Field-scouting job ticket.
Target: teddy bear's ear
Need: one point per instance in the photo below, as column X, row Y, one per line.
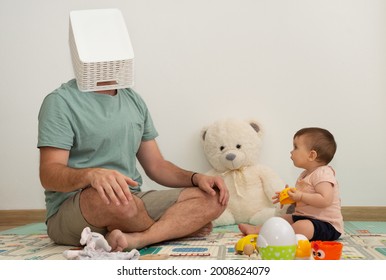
column 203, row 133
column 256, row 126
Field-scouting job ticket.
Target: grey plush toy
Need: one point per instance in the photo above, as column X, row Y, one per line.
column 97, row 248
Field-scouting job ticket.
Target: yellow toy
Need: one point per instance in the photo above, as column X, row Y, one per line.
column 303, row 250
column 246, row 245
column 284, row 197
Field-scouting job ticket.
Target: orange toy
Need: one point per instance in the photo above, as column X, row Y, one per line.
column 326, row 250
column 284, row 197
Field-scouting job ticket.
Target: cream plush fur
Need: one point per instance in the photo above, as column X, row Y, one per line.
column 232, row 147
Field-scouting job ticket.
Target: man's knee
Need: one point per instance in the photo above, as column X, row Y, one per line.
column 218, row 207
column 209, row 203
column 133, row 209
column 93, row 208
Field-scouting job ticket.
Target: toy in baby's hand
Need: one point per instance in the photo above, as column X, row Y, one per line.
column 97, row 248
column 284, row 197
column 232, row 147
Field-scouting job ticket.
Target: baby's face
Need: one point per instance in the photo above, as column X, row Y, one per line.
column 300, row 154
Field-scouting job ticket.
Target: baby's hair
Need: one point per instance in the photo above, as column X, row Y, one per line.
column 321, row 141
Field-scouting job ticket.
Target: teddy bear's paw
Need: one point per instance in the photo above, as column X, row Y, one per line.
column 226, row 218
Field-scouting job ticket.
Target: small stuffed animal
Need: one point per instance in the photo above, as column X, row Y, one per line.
column 94, row 240
column 232, row 147
column 97, row 248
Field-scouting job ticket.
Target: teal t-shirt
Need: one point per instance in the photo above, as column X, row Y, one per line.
column 99, row 131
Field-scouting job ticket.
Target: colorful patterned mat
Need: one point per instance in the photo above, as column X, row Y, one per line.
column 362, row 240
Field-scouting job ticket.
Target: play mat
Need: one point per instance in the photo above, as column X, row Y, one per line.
column 362, row 241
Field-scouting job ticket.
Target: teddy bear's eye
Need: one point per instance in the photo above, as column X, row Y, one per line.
column 222, row 148
column 238, row 146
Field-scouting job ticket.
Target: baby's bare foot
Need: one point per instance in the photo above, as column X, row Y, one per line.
column 248, row 229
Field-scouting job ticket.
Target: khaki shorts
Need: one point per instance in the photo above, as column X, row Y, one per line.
column 66, row 226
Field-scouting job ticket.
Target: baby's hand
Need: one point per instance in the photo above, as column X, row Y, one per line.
column 295, row 194
column 275, row 198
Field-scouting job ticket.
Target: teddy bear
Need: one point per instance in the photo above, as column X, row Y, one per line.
column 232, row 147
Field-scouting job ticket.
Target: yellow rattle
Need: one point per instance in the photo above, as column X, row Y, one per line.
column 284, row 197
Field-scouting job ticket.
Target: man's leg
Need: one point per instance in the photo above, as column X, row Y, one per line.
column 193, row 211
column 128, row 218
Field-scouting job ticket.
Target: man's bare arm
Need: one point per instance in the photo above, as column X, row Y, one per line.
column 55, row 175
column 168, row 174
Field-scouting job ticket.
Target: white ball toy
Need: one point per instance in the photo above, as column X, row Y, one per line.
column 276, row 232
column 277, row 240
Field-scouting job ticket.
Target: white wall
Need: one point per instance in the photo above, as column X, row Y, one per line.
column 289, row 64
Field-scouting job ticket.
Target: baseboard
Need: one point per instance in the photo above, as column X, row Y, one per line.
column 350, row 213
column 364, row 213
column 21, row 217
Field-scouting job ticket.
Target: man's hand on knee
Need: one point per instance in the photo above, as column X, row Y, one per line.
column 112, row 186
column 213, row 184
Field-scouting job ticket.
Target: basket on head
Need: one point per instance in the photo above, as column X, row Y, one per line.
column 101, row 50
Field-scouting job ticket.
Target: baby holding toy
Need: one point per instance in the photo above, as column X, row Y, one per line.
column 317, row 214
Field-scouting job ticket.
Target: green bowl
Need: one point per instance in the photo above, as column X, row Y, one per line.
column 278, row 252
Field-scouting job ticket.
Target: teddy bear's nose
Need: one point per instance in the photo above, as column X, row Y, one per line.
column 230, row 157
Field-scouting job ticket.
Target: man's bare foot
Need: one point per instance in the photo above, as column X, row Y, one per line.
column 204, row 231
column 248, row 229
column 117, row 240
column 120, row 241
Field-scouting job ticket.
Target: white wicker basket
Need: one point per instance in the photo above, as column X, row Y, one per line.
column 101, row 50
